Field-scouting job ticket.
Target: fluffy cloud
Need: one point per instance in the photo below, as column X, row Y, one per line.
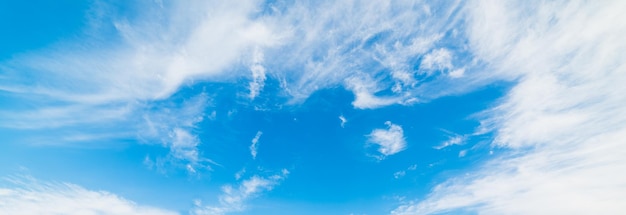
column 562, row 124
column 26, row 195
column 390, row 141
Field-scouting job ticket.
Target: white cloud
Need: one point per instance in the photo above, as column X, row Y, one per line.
column 108, row 89
column 364, row 88
column 184, row 145
column 26, row 195
column 306, row 46
column 343, row 120
column 462, row 153
column 562, row 124
column 454, row 140
column 153, row 57
column 345, row 43
column 399, row 174
column 173, row 126
column 253, row 146
column 438, row 59
column 390, row 141
column 258, row 74
column 233, row 199
column 240, row 173
column 126, row 62
column 457, row 73
column 402, row 173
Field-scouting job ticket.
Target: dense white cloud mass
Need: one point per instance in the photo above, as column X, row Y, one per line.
column 563, row 122
column 29, row 196
column 234, row 199
column 390, row 141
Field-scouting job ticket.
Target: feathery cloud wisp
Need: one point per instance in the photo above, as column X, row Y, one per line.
column 234, row 199
column 253, row 146
column 562, row 124
column 27, row 195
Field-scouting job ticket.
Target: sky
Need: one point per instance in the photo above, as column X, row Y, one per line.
column 312, row 107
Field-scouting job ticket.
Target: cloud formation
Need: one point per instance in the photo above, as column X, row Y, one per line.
column 561, row 125
column 233, row 199
column 27, row 195
column 390, row 141
column 253, row 146
column 126, row 64
column 343, row 120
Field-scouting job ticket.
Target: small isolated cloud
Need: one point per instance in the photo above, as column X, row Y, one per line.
column 343, row 120
column 399, row 174
column 253, row 146
column 233, row 199
column 26, row 195
column 390, row 141
column 454, row 140
column 562, row 125
column 462, row 153
column 240, row 173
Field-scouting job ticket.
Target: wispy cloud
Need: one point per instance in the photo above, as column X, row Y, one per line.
column 26, row 195
column 343, row 120
column 173, row 126
column 453, row 140
column 562, row 123
column 253, row 146
column 402, row 173
column 233, row 199
column 103, row 89
column 390, row 141
column 357, row 45
column 258, row 74
column 147, row 58
column 240, row 173
column 399, row 174
column 438, row 59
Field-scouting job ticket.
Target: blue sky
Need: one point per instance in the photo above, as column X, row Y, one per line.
column 312, row 107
